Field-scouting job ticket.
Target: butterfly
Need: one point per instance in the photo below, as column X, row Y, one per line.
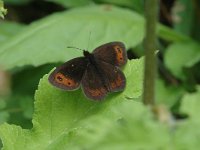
column 97, row 73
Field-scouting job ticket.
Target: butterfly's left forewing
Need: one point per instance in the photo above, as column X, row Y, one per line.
column 68, row 76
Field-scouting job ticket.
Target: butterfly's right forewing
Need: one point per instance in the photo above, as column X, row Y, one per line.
column 113, row 53
column 68, row 76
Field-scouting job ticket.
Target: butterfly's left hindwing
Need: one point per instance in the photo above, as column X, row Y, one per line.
column 68, row 76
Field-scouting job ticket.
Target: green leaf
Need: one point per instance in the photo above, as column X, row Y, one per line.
column 135, row 71
column 57, row 114
column 26, row 105
column 186, row 137
column 2, row 103
column 167, row 94
column 170, row 35
column 190, row 105
column 136, row 130
column 46, row 40
column 20, row 103
column 9, row 29
column 179, row 55
column 4, row 115
column 25, row 81
column 18, row 113
column 72, row 3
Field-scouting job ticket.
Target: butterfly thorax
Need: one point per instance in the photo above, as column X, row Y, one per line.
column 90, row 57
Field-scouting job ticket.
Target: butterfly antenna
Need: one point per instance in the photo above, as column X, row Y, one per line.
column 89, row 40
column 75, row 48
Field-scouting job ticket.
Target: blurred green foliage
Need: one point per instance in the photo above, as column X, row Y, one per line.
column 67, row 120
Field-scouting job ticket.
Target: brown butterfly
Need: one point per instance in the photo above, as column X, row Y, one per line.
column 98, row 72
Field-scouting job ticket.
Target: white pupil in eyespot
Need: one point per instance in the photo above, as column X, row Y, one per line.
column 59, row 78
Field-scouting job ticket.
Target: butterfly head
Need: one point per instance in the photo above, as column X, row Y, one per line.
column 86, row 53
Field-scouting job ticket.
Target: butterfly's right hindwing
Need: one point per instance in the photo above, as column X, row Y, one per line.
column 92, row 84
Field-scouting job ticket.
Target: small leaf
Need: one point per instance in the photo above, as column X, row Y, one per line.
column 167, row 94
column 189, row 55
column 190, row 105
column 188, row 132
column 3, row 11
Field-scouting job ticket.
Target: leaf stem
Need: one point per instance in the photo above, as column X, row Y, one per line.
column 151, row 12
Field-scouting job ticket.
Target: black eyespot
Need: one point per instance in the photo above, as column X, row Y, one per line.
column 119, row 50
column 59, row 78
column 68, row 83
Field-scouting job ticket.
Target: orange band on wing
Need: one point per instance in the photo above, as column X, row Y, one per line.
column 117, row 83
column 96, row 92
column 60, row 78
column 119, row 53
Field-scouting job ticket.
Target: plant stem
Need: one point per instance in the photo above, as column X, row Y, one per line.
column 151, row 11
